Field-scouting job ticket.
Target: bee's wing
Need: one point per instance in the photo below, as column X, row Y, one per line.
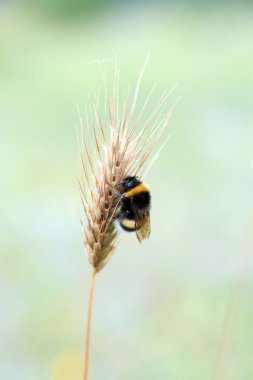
column 142, row 227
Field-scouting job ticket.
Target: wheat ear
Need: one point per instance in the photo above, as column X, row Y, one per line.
column 124, row 145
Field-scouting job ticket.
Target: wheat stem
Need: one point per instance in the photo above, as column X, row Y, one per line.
column 88, row 324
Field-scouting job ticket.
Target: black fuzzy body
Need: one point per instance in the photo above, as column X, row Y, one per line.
column 132, row 207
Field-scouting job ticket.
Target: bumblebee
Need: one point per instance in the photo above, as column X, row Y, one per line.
column 134, row 210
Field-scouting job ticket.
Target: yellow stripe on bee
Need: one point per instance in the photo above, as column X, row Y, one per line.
column 128, row 223
column 141, row 188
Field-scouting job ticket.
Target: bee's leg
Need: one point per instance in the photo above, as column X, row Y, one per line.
column 121, row 215
column 116, row 192
column 126, row 221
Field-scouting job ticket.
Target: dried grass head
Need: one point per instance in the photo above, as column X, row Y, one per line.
column 115, row 142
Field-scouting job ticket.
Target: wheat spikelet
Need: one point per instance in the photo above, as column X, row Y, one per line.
column 122, row 148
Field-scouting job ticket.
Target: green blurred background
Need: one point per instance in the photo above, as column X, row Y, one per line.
column 159, row 308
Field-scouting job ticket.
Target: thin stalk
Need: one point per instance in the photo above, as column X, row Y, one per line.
column 88, row 324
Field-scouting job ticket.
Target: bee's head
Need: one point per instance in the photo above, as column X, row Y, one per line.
column 130, row 182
